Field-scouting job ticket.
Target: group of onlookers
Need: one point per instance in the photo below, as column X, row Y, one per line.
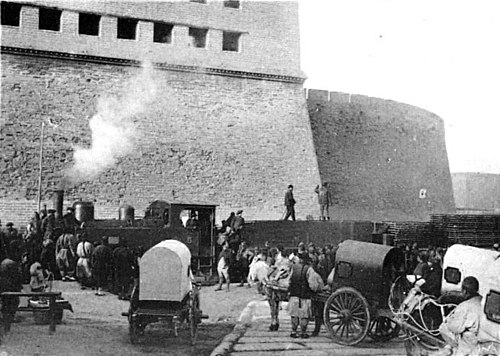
column 60, row 249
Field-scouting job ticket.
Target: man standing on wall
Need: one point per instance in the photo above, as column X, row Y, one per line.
column 289, row 203
column 324, row 200
column 237, row 226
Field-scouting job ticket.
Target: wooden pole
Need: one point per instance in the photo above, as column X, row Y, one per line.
column 40, row 169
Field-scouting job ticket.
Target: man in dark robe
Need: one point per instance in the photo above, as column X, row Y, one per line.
column 289, row 203
column 101, row 265
column 65, row 257
column 124, row 265
column 71, row 224
column 10, row 281
column 49, row 225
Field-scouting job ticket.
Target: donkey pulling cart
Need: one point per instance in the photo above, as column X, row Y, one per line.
column 166, row 291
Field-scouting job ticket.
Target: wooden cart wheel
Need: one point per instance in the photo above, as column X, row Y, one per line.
column 347, row 316
column 383, row 328
column 133, row 328
column 194, row 307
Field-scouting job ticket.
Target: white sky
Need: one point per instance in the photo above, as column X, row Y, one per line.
column 440, row 55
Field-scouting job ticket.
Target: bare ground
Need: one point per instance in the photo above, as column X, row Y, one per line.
column 98, row 328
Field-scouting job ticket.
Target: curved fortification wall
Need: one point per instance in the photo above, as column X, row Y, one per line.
column 384, row 160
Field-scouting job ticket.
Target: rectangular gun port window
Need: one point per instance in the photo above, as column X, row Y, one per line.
column 232, row 3
column 231, row 41
column 11, row 14
column 162, row 32
column 198, row 37
column 49, row 19
column 88, row 24
column 127, row 29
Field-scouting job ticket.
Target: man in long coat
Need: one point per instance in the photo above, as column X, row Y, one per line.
column 289, row 203
column 84, row 251
column 49, row 225
column 124, row 265
column 101, row 265
column 324, row 200
column 304, row 281
column 65, row 256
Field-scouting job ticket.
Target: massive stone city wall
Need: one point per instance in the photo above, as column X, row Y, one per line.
column 212, row 126
column 384, row 160
column 204, row 139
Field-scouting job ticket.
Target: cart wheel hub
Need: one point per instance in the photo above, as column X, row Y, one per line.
column 346, row 314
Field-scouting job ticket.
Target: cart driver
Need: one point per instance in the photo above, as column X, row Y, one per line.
column 304, row 281
column 460, row 328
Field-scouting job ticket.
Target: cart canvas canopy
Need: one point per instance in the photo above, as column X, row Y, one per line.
column 368, row 267
column 165, row 272
column 462, row 261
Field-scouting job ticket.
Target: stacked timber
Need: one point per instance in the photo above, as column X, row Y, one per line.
column 468, row 229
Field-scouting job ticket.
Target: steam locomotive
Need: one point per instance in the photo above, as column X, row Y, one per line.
column 162, row 221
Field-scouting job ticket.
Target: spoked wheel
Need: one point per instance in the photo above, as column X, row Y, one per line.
column 383, row 328
column 347, row 316
column 194, row 311
column 135, row 330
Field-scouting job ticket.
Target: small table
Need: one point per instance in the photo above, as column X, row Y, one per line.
column 52, row 305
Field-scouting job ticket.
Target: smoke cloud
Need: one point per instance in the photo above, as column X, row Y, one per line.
column 113, row 128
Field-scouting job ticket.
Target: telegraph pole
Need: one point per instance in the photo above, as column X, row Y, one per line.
column 40, row 168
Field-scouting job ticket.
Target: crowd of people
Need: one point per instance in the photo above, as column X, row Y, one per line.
column 53, row 248
column 245, row 265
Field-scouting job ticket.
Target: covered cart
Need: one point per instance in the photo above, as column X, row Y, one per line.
column 166, row 291
column 362, row 279
column 421, row 315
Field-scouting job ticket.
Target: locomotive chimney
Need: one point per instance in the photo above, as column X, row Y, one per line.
column 58, row 202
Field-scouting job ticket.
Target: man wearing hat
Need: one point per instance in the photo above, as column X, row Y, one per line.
column 3, row 247
column 304, row 282
column 289, row 203
column 70, row 222
column 10, row 233
column 48, row 225
column 324, row 200
column 237, row 226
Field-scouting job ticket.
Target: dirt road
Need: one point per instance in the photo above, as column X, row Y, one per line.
column 97, row 327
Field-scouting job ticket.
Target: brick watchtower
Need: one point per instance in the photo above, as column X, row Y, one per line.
column 226, row 123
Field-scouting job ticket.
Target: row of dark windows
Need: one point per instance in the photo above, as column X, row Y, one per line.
column 88, row 24
column 228, row 3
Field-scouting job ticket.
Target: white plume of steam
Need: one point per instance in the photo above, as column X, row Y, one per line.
column 113, row 129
